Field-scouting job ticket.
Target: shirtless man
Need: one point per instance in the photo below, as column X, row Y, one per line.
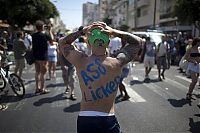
column 99, row 75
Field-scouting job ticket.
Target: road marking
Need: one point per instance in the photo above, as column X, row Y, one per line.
column 177, row 84
column 163, row 92
column 184, row 78
column 135, row 97
column 135, row 78
column 62, row 102
column 160, row 91
column 19, row 105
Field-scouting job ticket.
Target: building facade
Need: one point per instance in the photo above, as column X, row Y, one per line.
column 120, row 16
column 140, row 15
column 90, row 13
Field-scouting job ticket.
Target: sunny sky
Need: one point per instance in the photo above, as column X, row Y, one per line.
column 71, row 11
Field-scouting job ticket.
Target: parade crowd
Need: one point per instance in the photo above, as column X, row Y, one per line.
column 181, row 50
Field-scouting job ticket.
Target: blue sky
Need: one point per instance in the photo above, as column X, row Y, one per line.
column 71, row 11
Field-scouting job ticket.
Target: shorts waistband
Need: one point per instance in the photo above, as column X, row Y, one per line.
column 95, row 113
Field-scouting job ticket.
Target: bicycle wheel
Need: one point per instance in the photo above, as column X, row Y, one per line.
column 2, row 83
column 17, row 85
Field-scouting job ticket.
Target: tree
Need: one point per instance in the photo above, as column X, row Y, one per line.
column 20, row 11
column 188, row 11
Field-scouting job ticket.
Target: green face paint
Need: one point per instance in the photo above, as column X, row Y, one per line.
column 98, row 38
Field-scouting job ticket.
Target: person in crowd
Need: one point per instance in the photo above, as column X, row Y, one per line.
column 19, row 50
column 181, row 47
column 114, row 47
column 3, row 39
column 40, row 52
column 122, row 87
column 170, row 53
column 52, row 59
column 149, row 53
column 99, row 75
column 193, row 57
column 2, row 106
column 161, row 58
column 189, row 45
column 68, row 75
column 28, row 40
column 82, row 46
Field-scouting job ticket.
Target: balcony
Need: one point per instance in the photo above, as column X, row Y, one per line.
column 141, row 3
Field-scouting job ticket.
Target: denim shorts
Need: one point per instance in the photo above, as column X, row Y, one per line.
column 97, row 124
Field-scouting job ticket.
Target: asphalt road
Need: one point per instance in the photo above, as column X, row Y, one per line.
column 156, row 106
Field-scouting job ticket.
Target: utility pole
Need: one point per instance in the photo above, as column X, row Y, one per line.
column 154, row 14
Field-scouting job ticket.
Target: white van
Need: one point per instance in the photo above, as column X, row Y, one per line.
column 155, row 37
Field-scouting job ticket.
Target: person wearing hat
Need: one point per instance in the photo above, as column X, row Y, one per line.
column 99, row 74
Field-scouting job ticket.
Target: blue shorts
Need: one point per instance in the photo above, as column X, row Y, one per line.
column 52, row 58
column 97, row 124
column 125, row 72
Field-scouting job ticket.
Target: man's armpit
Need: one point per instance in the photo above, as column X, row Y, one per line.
column 67, row 50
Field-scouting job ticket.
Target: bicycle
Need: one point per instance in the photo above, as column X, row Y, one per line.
column 13, row 80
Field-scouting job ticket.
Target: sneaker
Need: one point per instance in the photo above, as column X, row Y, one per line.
column 146, row 76
column 67, row 90
column 188, row 96
column 73, row 97
column 3, row 107
column 162, row 75
column 159, row 79
column 126, row 97
column 44, row 91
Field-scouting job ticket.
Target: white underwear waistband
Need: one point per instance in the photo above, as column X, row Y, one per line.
column 94, row 113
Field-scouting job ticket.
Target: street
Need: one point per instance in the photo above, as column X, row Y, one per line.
column 157, row 106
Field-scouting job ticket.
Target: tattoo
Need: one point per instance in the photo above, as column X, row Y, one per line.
column 131, row 47
column 72, row 37
column 67, row 50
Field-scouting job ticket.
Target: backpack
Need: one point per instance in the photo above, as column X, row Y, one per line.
column 29, row 57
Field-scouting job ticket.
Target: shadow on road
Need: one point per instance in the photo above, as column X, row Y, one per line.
column 194, row 126
column 197, row 95
column 49, row 100
column 198, row 115
column 29, row 82
column 9, row 99
column 55, row 85
column 72, row 108
column 179, row 103
column 133, row 82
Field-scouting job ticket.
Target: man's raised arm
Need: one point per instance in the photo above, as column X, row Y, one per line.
column 131, row 46
column 65, row 43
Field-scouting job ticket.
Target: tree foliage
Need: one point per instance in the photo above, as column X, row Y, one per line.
column 188, row 11
column 20, row 11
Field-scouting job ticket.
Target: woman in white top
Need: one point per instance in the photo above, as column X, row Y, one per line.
column 52, row 58
column 193, row 57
